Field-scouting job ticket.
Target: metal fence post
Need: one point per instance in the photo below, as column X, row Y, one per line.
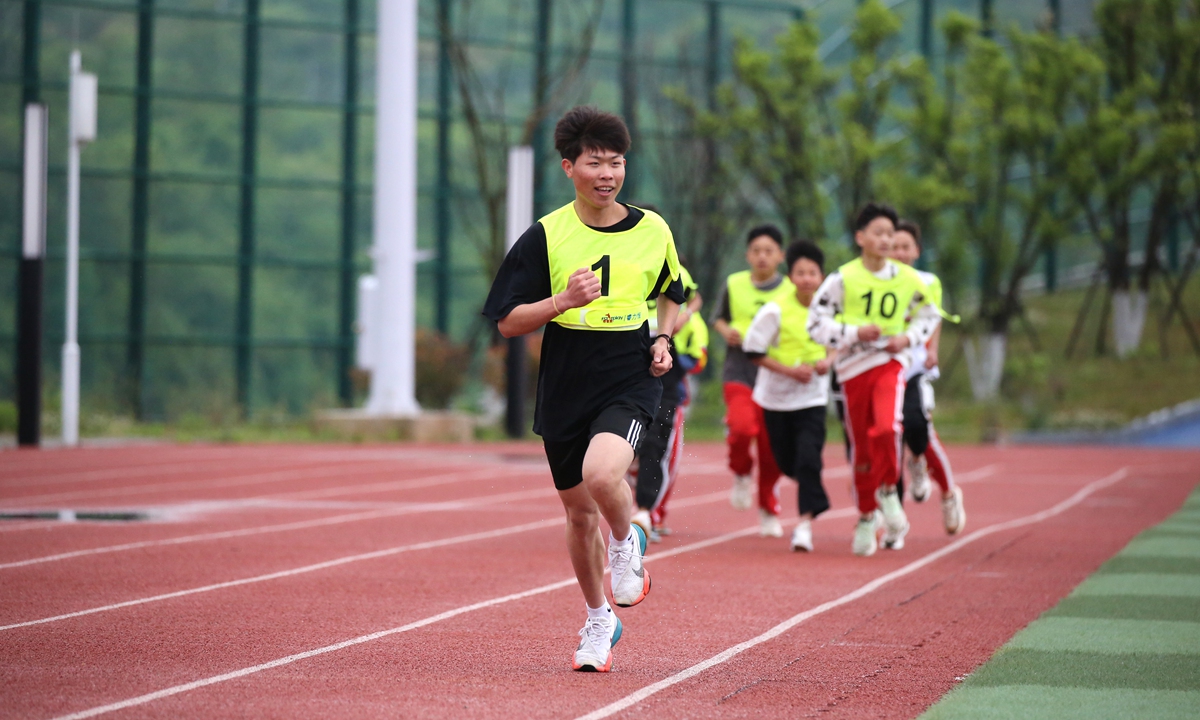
column 712, row 63
column 541, row 87
column 30, row 255
column 986, row 18
column 347, row 284
column 629, row 88
column 135, row 343
column 442, row 198
column 245, row 298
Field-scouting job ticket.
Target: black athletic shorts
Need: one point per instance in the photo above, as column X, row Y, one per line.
column 621, row 418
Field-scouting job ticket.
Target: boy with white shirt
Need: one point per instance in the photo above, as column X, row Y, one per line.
column 927, row 458
column 870, row 311
column 792, row 386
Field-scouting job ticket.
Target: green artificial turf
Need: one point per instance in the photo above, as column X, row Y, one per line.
column 1124, row 644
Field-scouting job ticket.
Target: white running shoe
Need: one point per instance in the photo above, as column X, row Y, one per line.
column 865, row 540
column 954, row 516
column 630, row 580
column 742, row 495
column 918, row 477
column 895, row 522
column 769, row 525
column 641, row 518
column 802, row 537
column 596, row 641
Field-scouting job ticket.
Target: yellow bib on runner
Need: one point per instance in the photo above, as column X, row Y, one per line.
column 628, row 263
column 871, row 300
column 745, row 298
column 795, row 345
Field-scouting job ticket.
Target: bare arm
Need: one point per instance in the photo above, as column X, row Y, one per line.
column 582, row 288
column 660, row 352
column 931, row 358
column 800, row 373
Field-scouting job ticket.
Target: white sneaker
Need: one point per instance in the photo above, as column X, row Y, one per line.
column 641, row 518
column 596, row 641
column 865, row 540
column 895, row 522
column 742, row 495
column 954, row 516
column 918, row 477
column 769, row 525
column 802, row 537
column 630, row 580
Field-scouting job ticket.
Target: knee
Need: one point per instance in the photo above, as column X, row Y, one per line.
column 583, row 522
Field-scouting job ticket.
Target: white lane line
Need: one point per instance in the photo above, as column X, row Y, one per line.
column 433, row 480
column 637, row 697
column 177, row 689
column 319, row 472
column 328, row 563
column 186, row 687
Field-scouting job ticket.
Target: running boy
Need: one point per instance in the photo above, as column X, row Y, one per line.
column 926, row 457
column 585, row 272
column 744, row 293
column 862, row 311
column 793, row 384
column 658, row 460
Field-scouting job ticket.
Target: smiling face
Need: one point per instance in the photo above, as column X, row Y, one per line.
column 597, row 175
column 904, row 247
column 876, row 238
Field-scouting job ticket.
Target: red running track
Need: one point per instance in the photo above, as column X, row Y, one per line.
column 407, row 581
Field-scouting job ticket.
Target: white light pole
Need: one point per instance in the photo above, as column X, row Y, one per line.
column 81, row 129
column 395, row 249
column 519, row 217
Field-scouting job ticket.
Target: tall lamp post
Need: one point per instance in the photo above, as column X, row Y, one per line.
column 81, row 129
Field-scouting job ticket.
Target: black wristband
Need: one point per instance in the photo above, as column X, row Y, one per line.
column 670, row 340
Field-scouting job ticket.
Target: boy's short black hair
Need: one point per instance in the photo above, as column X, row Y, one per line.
column 587, row 127
column 911, row 228
column 805, row 249
column 874, row 210
column 769, row 230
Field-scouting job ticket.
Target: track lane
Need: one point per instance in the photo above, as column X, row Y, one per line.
column 453, row 665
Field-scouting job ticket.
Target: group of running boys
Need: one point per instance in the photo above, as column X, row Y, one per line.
column 623, row 331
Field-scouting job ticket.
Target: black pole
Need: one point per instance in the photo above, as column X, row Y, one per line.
column 246, row 247
column 1050, row 255
column 986, row 18
column 712, row 63
column 927, row 30
column 514, row 415
column 135, row 344
column 33, row 244
column 442, row 200
column 541, row 88
column 346, row 281
column 629, row 87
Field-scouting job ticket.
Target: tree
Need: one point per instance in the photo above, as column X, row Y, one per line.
column 768, row 119
column 1130, row 149
column 992, row 153
column 852, row 124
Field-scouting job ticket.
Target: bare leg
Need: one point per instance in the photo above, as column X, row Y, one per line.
column 603, row 492
column 604, row 467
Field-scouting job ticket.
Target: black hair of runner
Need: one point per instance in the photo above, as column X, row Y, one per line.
column 587, row 127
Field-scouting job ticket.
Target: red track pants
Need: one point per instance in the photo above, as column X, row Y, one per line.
column 744, row 421
column 874, row 413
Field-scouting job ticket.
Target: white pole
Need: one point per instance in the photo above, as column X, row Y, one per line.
column 81, row 128
column 70, row 351
column 520, row 193
column 395, row 250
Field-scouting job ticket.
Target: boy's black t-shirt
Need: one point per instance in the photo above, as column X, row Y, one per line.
column 581, row 371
